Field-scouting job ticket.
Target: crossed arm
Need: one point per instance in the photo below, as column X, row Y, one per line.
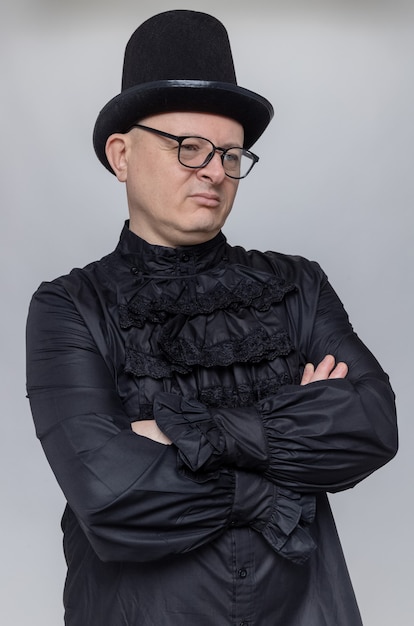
column 325, row 370
column 126, row 490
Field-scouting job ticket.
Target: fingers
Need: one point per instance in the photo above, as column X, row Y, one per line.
column 324, row 368
column 149, row 429
column 327, row 369
column 340, row 371
column 307, row 374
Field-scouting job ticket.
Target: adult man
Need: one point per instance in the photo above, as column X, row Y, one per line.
column 195, row 400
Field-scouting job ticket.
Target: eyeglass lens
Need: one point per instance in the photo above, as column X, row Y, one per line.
column 195, row 152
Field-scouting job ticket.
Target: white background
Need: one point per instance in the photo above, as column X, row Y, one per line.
column 334, row 183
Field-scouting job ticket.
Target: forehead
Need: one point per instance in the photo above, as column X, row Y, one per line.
column 193, row 123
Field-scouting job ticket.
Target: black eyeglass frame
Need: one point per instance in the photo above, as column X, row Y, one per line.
column 181, row 138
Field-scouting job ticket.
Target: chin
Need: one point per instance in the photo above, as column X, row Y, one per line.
column 208, row 222
column 206, row 231
column 192, row 237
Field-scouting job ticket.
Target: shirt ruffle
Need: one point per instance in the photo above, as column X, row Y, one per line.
column 214, row 319
column 288, row 529
column 224, row 288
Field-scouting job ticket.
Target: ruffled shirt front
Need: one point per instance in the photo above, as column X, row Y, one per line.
column 197, row 323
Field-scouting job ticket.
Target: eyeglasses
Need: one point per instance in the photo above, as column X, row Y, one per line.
column 197, row 152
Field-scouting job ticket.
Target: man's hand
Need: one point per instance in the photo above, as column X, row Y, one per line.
column 149, row 429
column 325, row 370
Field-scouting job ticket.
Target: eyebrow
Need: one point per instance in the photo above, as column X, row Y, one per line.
column 228, row 144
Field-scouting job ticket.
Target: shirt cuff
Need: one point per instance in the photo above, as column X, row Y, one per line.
column 281, row 516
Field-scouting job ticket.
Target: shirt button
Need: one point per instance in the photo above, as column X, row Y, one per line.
column 185, row 257
column 242, row 574
column 134, row 271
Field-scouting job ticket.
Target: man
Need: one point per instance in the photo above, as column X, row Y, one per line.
column 197, row 401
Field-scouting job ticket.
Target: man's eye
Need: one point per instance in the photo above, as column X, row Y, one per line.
column 232, row 157
column 191, row 147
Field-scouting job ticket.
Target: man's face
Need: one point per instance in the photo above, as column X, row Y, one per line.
column 170, row 204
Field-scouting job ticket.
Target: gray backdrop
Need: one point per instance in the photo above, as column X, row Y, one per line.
column 334, row 183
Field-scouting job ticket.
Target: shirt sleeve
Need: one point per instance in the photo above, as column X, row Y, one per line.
column 329, row 435
column 129, row 494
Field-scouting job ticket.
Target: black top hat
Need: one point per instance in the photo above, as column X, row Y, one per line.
column 180, row 61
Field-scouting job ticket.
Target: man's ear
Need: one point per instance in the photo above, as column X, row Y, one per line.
column 116, row 152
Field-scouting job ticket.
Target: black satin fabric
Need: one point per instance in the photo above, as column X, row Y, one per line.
column 151, row 539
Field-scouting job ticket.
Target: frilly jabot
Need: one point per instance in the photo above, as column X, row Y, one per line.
column 216, row 318
column 202, row 307
column 229, row 288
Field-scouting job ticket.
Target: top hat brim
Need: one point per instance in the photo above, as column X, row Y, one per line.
column 251, row 110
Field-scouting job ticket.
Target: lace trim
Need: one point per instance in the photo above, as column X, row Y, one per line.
column 231, row 397
column 254, row 348
column 246, row 293
column 243, row 395
column 140, row 364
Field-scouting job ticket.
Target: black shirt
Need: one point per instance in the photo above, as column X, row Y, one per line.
column 231, row 524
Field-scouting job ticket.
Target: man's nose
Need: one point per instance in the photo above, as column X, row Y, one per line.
column 214, row 168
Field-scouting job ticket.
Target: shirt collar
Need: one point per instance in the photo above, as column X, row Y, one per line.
column 149, row 258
